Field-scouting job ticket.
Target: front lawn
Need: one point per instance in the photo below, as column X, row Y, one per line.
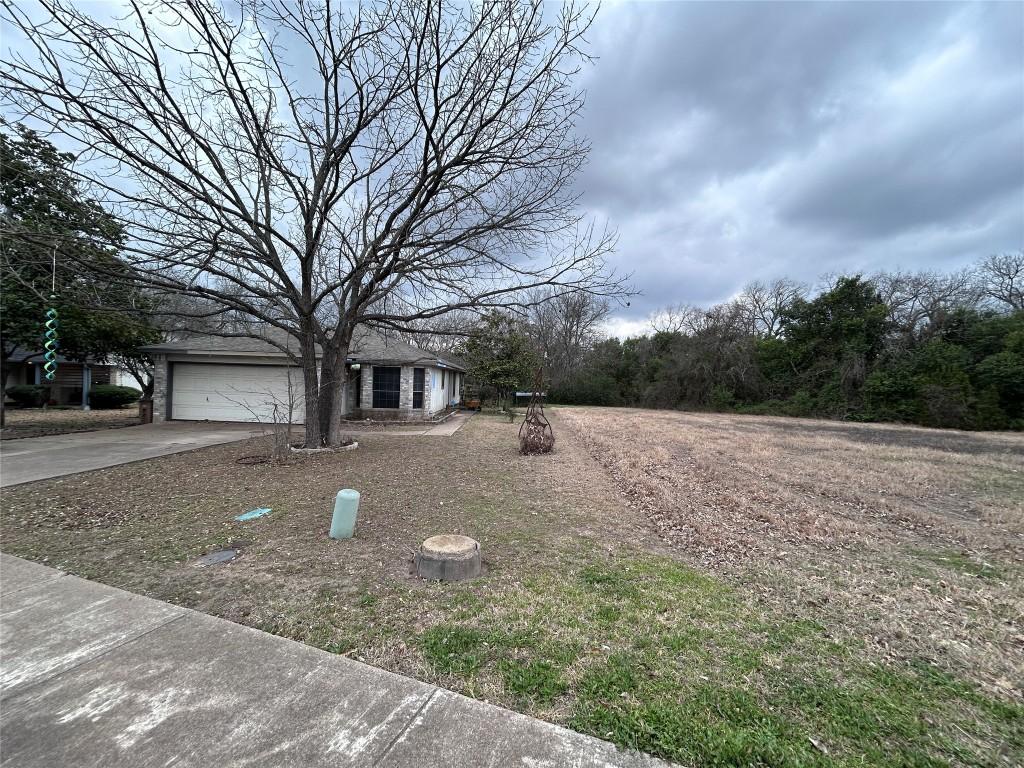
column 38, row 422
column 756, row 640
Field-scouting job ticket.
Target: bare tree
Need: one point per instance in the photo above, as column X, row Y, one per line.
column 564, row 325
column 1001, row 279
column 918, row 300
column 675, row 318
column 765, row 303
column 311, row 166
column 443, row 335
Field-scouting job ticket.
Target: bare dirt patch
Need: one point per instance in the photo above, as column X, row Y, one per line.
column 38, row 422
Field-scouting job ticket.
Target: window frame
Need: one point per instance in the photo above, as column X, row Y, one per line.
column 383, row 397
column 419, row 378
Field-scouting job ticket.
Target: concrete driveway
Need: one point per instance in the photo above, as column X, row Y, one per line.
column 40, row 458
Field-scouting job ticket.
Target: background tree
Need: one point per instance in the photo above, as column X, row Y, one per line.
column 310, row 167
column 563, row 326
column 927, row 347
column 830, row 343
column 765, row 304
column 500, row 357
column 1001, row 279
column 46, row 216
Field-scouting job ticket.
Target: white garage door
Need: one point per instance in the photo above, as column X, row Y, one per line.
column 234, row 392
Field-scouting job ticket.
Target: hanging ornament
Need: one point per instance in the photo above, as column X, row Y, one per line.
column 51, row 343
column 50, row 356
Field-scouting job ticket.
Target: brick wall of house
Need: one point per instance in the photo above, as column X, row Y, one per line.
column 159, row 388
column 427, row 391
column 366, row 396
column 405, row 411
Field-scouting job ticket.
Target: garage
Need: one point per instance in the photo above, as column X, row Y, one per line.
column 230, row 392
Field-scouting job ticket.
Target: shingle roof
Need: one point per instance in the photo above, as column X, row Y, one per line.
column 37, row 357
column 368, row 346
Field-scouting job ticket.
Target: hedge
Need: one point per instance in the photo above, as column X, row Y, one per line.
column 29, row 395
column 109, row 396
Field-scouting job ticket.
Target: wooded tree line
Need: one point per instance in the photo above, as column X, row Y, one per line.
column 941, row 350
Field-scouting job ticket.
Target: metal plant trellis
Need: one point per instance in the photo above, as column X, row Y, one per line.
column 535, row 433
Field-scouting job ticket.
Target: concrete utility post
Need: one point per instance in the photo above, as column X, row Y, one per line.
column 346, row 507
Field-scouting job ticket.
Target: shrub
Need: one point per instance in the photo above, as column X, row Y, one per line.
column 588, row 388
column 722, row 398
column 29, row 395
column 802, row 404
column 109, row 396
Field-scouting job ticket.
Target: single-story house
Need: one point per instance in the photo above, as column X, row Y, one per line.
column 221, row 378
column 72, row 381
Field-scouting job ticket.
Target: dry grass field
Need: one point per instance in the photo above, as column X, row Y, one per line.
column 715, row 590
column 910, row 539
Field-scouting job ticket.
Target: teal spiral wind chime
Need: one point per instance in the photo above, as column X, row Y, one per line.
column 51, row 343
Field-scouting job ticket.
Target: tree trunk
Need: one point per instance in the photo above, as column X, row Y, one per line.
column 334, row 435
column 331, row 394
column 311, row 392
column 326, row 399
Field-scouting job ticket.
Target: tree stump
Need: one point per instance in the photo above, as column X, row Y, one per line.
column 448, row 558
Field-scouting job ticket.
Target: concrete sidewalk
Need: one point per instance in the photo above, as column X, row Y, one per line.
column 94, row 676
column 40, row 458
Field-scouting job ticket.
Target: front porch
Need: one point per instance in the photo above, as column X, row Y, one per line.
column 71, row 385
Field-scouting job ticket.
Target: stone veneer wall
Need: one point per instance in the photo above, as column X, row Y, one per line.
column 160, row 383
column 404, row 411
column 428, row 378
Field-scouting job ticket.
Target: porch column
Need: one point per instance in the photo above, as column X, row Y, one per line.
column 86, row 383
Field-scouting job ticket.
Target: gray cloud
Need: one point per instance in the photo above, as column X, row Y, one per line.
column 733, row 141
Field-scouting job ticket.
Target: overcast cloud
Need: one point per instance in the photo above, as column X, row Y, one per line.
column 734, row 141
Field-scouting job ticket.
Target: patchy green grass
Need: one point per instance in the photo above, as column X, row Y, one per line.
column 959, row 561
column 655, row 656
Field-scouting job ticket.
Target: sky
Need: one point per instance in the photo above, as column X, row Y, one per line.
column 740, row 141
column 734, row 141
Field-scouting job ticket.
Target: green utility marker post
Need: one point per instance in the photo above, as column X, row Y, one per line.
column 346, row 507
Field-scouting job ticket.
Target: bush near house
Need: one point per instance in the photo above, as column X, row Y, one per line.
column 110, row 396
column 29, row 395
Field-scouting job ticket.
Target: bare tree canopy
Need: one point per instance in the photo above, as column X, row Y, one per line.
column 764, row 304
column 313, row 166
column 1001, row 279
column 564, row 325
column 918, row 300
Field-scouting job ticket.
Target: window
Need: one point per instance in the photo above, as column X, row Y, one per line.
column 387, row 386
column 357, row 381
column 417, row 387
column 442, row 378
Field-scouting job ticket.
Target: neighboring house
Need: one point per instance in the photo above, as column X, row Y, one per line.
column 73, row 380
column 220, row 378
